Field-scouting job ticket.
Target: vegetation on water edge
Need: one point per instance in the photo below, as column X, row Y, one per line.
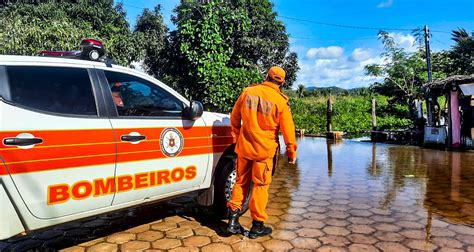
column 352, row 114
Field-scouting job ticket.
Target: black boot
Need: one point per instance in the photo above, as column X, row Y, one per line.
column 258, row 230
column 234, row 225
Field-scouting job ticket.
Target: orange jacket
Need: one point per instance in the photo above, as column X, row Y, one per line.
column 259, row 113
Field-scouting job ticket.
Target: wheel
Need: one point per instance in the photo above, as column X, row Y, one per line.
column 224, row 182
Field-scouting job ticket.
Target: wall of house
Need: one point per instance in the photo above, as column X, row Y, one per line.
column 472, row 117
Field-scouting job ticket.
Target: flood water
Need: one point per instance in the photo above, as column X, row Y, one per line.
column 340, row 196
column 433, row 184
column 403, row 193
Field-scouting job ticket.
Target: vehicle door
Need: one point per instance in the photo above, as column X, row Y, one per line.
column 56, row 140
column 159, row 153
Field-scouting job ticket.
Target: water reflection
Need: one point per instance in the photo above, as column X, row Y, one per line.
column 329, row 144
column 450, row 187
column 429, row 183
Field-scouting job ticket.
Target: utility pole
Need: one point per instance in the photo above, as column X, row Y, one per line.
column 374, row 115
column 429, row 103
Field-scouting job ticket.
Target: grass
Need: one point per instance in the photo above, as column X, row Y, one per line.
column 351, row 114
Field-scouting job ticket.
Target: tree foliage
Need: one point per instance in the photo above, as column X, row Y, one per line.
column 403, row 72
column 30, row 28
column 462, row 53
column 221, row 46
column 300, row 91
column 150, row 31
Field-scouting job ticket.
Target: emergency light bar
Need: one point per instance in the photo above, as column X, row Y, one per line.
column 90, row 49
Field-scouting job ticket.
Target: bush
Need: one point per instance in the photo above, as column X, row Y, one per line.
column 350, row 114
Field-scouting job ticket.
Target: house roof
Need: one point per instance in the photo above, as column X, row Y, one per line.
column 448, row 82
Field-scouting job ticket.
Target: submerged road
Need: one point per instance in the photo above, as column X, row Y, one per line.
column 341, row 196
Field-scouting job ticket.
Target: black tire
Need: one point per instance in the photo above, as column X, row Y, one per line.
column 224, row 181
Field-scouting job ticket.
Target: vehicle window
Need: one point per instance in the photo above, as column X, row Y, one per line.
column 134, row 96
column 52, row 89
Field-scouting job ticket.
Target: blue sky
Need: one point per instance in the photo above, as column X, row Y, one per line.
column 335, row 56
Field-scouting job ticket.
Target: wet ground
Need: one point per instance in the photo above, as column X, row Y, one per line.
column 339, row 197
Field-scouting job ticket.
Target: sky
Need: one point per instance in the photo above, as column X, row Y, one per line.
column 335, row 56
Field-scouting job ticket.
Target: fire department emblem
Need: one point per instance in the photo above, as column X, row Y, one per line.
column 171, row 142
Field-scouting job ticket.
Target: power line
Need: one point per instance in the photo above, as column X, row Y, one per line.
column 133, row 6
column 344, row 26
column 328, row 24
column 353, row 26
column 343, row 39
column 437, row 40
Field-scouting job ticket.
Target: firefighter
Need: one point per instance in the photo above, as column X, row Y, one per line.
column 259, row 113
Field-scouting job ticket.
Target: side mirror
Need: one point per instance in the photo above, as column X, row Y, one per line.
column 194, row 111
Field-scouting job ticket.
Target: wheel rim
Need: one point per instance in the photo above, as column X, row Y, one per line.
column 229, row 184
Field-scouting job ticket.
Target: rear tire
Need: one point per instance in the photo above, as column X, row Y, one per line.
column 224, row 182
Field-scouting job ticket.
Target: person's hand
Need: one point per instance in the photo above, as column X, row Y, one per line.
column 292, row 161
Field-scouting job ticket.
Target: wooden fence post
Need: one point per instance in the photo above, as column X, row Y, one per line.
column 329, row 116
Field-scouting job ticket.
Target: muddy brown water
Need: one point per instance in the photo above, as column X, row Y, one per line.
column 344, row 195
column 432, row 184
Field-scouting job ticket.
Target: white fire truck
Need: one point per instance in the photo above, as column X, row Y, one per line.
column 81, row 137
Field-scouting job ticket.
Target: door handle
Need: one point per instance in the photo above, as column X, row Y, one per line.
column 130, row 138
column 15, row 141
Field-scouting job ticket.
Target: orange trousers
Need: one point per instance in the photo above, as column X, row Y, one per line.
column 260, row 172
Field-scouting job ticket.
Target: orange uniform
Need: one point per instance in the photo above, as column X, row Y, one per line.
column 258, row 115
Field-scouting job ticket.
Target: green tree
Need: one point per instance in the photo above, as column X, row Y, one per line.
column 462, row 53
column 30, row 28
column 151, row 31
column 403, row 72
column 221, row 46
column 441, row 64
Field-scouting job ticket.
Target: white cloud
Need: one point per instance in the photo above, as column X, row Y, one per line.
column 361, row 54
column 385, row 4
column 330, row 52
column 335, row 66
column 342, row 70
column 300, row 50
column 405, row 41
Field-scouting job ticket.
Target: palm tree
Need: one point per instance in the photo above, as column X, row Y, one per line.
column 460, row 35
column 462, row 53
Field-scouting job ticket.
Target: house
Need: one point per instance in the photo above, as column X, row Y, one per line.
column 458, row 126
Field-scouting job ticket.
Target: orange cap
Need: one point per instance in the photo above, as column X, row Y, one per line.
column 277, row 74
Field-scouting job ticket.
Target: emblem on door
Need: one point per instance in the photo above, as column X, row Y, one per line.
column 171, row 142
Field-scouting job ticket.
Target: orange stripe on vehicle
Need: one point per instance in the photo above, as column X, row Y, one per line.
column 42, row 155
column 64, row 149
column 142, row 146
column 27, row 155
column 74, row 163
column 67, row 137
column 60, row 164
column 222, row 140
column 58, row 146
column 63, row 158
